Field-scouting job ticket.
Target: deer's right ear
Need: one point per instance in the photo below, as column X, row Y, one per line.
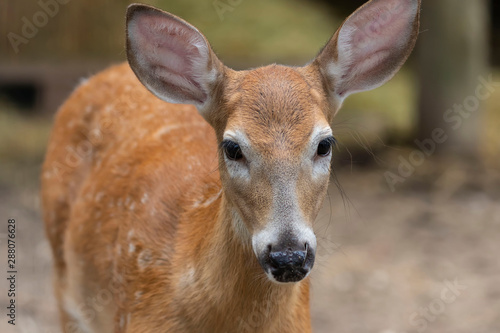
column 370, row 47
column 171, row 57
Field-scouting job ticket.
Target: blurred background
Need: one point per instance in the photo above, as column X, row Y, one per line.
column 410, row 231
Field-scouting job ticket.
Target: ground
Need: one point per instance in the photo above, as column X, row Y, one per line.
column 423, row 258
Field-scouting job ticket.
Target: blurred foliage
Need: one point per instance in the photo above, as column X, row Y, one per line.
column 367, row 120
column 490, row 139
column 242, row 32
column 394, row 104
column 22, row 139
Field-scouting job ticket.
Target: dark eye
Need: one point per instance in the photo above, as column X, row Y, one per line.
column 325, row 147
column 232, row 150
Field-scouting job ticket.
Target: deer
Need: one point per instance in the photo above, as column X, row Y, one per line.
column 179, row 195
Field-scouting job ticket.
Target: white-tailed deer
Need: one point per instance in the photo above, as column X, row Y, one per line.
column 198, row 218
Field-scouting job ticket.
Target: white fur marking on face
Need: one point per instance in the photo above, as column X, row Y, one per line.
column 273, row 231
column 240, row 227
column 238, row 169
column 321, row 165
column 286, row 217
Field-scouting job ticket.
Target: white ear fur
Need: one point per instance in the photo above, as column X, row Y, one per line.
column 170, row 57
column 371, row 46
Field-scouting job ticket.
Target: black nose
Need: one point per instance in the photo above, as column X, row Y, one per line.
column 288, row 259
column 289, row 263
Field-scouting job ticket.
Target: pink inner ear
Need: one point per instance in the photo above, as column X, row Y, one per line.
column 174, row 53
column 375, row 34
column 380, row 28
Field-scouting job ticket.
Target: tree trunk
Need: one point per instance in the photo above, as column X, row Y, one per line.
column 453, row 55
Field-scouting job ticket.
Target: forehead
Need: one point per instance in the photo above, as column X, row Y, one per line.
column 275, row 107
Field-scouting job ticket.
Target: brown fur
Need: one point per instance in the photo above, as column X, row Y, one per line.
column 139, row 206
column 173, row 230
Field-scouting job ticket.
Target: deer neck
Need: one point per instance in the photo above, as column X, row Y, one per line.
column 232, row 291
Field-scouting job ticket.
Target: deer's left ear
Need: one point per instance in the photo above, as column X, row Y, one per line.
column 370, row 47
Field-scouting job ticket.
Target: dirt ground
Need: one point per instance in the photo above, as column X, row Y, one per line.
column 424, row 258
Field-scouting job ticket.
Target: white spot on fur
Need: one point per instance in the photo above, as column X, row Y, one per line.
column 172, row 127
column 145, row 198
column 144, row 259
column 99, row 196
column 152, row 212
column 187, row 279
column 205, row 202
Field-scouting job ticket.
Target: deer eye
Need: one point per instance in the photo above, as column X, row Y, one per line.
column 232, row 150
column 325, row 146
